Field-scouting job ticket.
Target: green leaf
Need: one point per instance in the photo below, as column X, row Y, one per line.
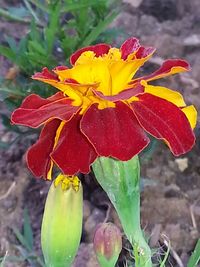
column 10, row 91
column 8, row 53
column 78, row 5
column 10, row 258
column 8, row 15
column 195, row 257
column 20, row 11
column 39, row 5
column 36, row 47
column 163, row 262
column 32, row 11
column 21, row 238
column 3, row 260
column 28, row 233
column 99, row 29
column 52, row 29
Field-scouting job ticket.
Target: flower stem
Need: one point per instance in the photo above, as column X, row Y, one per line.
column 121, row 181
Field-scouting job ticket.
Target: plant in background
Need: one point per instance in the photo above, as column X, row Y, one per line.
column 102, row 115
column 55, row 29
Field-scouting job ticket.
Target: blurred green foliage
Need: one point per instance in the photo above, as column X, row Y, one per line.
column 25, row 247
column 55, row 29
column 194, row 260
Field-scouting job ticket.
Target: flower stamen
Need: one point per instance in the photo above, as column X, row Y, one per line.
column 67, row 182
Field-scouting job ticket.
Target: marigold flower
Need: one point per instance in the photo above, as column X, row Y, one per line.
column 102, row 110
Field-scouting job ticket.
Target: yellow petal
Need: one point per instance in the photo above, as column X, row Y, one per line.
column 85, row 58
column 92, row 73
column 123, row 71
column 165, row 93
column 191, row 114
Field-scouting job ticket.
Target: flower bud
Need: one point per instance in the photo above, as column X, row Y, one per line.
column 107, row 244
column 62, row 221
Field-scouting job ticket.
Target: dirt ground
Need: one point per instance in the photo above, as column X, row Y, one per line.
column 171, row 186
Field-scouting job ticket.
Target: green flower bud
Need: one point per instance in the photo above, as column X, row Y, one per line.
column 62, row 221
column 107, row 244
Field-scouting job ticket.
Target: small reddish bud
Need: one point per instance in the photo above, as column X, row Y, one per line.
column 107, row 244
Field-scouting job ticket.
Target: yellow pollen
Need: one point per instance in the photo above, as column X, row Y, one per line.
column 67, row 182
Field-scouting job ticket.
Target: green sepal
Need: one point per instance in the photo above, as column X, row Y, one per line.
column 107, row 263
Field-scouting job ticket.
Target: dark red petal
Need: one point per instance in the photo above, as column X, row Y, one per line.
column 55, row 97
column 60, row 68
column 144, row 52
column 169, row 67
column 73, row 153
column 36, row 110
column 45, row 74
column 164, row 120
column 129, row 46
column 71, row 81
column 114, row 132
column 99, row 50
column 38, row 158
column 34, row 101
column 125, row 94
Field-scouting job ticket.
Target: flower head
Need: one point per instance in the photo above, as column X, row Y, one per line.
column 102, row 110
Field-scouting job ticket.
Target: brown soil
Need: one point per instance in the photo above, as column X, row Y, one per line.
column 170, row 197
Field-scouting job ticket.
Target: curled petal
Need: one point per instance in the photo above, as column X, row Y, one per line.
column 129, row 46
column 60, row 68
column 144, row 52
column 99, row 50
column 36, row 110
column 55, row 78
column 45, row 74
column 34, row 101
column 169, row 67
column 114, row 132
column 73, row 153
column 164, row 120
column 125, row 94
column 38, row 158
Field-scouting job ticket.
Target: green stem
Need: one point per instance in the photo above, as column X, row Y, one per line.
column 121, row 181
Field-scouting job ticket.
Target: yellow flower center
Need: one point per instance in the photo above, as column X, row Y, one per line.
column 67, row 182
column 108, row 74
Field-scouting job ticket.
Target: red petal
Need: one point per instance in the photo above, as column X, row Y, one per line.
column 125, row 94
column 60, row 68
column 114, row 132
column 144, row 52
column 45, row 74
column 99, row 50
column 36, row 110
column 169, row 67
column 129, row 46
column 164, row 120
column 73, row 153
column 38, row 158
column 35, row 101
